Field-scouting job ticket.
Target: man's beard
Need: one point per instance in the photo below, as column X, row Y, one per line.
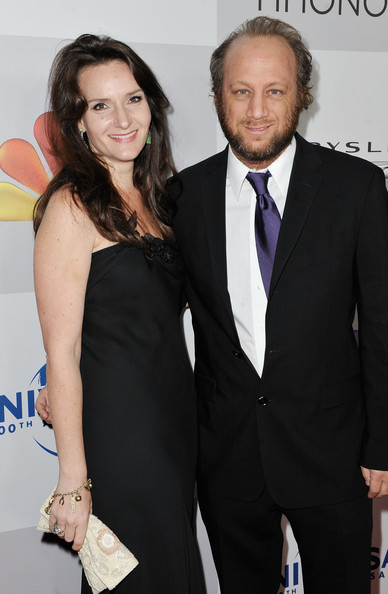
column 278, row 143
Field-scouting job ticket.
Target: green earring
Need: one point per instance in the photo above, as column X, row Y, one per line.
column 148, row 141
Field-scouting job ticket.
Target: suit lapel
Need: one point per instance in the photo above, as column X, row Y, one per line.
column 304, row 182
column 305, row 179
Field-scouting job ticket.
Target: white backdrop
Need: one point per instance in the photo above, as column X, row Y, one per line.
column 349, row 42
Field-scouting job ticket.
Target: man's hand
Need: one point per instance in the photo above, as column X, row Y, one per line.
column 377, row 481
column 42, row 405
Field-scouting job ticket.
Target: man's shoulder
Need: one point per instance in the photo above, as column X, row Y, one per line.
column 209, row 164
column 333, row 158
column 188, row 180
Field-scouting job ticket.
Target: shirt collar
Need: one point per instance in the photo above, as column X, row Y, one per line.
column 280, row 170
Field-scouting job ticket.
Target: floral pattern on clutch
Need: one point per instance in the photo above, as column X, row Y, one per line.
column 108, row 541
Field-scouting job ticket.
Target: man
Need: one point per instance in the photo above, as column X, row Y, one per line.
column 289, row 406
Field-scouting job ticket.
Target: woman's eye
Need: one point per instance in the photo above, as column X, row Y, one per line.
column 135, row 99
column 99, row 106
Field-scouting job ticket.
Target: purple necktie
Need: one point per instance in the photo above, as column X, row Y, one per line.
column 267, row 225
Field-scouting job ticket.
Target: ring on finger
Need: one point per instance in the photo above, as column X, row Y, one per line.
column 56, row 529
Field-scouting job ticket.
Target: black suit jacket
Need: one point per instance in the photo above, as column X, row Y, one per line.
column 327, row 400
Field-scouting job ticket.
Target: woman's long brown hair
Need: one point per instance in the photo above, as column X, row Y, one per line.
column 82, row 171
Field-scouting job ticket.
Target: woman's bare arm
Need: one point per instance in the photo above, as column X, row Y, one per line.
column 62, row 257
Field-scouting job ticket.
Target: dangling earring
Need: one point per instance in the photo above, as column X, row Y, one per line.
column 84, row 137
column 148, row 141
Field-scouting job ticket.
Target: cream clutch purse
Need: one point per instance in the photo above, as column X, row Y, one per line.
column 105, row 560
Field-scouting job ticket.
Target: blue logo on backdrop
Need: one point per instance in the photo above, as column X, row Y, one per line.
column 17, row 413
column 292, row 577
column 378, row 563
column 292, row 581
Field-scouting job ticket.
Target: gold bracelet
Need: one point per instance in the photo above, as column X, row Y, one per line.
column 75, row 496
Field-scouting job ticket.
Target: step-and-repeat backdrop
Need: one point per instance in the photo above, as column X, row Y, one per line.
column 349, row 42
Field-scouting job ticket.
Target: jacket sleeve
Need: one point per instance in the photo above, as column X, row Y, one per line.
column 372, row 305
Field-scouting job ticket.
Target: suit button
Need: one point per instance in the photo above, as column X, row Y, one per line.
column 262, row 400
column 237, row 354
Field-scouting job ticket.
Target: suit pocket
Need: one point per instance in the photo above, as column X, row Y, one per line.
column 341, row 392
column 205, row 386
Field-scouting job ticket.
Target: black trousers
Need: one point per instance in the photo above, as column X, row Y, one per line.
column 246, row 539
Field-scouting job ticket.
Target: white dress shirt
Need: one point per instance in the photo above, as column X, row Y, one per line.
column 245, row 285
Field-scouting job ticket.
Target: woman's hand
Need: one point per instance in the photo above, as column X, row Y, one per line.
column 70, row 520
column 42, row 405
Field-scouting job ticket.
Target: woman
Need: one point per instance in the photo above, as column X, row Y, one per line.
column 109, row 284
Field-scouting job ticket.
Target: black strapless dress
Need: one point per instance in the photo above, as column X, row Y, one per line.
column 139, row 414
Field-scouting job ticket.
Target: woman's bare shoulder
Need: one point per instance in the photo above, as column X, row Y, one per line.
column 65, row 218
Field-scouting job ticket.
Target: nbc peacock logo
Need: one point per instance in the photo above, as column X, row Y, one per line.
column 20, row 161
column 17, row 414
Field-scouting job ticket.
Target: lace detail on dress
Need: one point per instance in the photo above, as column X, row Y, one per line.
column 158, row 249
